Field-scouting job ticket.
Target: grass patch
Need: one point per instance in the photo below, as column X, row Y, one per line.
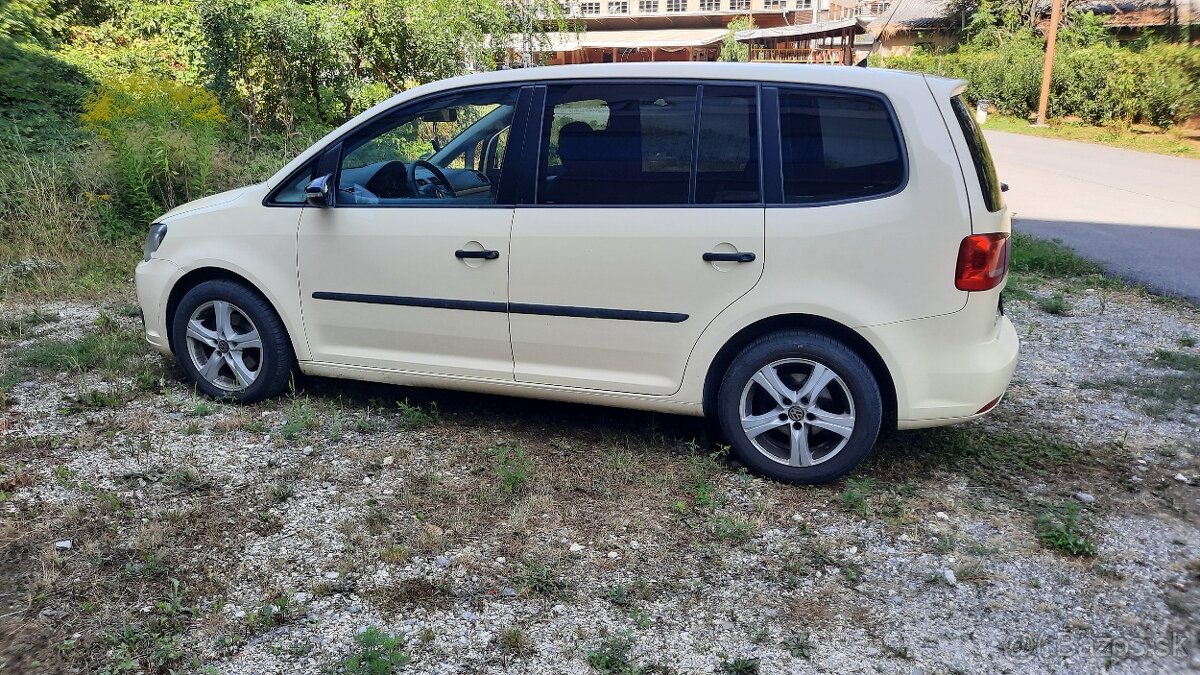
column 1168, row 394
column 1177, row 360
column 515, row 642
column 25, row 325
column 512, row 468
column 856, row 494
column 1143, row 138
column 542, row 579
column 1054, row 304
column 1165, row 394
column 1031, row 255
column 985, row 456
column 414, row 417
column 114, row 350
column 414, row 593
column 1059, row 529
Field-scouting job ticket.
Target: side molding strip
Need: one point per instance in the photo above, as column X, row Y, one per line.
column 515, row 307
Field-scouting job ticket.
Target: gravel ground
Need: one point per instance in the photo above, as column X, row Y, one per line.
column 142, row 527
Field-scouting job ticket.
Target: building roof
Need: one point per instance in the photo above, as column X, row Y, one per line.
column 801, row 30
column 907, row 15
column 624, row 39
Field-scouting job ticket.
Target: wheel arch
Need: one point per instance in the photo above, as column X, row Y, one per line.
column 200, row 275
column 811, row 322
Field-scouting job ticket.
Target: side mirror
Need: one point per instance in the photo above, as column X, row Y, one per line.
column 316, row 193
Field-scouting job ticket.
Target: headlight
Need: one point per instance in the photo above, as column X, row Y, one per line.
column 157, row 233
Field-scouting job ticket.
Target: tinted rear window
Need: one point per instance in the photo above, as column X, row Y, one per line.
column 837, row 147
column 980, row 156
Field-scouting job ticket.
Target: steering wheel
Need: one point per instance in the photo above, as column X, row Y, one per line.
column 431, row 168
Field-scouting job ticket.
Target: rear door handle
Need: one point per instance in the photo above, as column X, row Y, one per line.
column 486, row 254
column 738, row 257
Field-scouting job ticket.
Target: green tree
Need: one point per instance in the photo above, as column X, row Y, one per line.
column 731, row 49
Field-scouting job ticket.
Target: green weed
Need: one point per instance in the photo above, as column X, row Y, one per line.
column 1059, row 529
column 513, row 468
column 856, row 494
column 378, row 653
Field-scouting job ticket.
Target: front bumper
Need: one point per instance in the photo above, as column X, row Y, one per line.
column 153, row 281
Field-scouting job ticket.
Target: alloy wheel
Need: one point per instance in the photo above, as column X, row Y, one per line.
column 224, row 345
column 797, row 412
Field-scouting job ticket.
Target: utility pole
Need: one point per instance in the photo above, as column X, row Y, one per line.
column 1048, row 66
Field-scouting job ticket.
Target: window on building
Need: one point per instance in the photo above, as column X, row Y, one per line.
column 837, row 147
column 775, row 4
column 676, row 5
column 618, row 7
column 739, row 5
column 589, row 8
column 710, row 5
column 647, row 6
column 804, row 4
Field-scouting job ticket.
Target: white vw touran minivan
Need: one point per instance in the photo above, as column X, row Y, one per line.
column 803, row 253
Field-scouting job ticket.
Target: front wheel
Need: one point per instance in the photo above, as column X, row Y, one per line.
column 799, row 407
column 231, row 342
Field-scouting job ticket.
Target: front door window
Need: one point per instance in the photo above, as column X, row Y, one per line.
column 449, row 151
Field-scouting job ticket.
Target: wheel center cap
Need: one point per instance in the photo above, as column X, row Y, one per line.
column 223, row 346
column 796, row 413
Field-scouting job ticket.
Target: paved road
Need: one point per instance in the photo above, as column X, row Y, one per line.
column 1136, row 213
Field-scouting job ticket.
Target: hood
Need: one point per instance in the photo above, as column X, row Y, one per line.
column 210, row 201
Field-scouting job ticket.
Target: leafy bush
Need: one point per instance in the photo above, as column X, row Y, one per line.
column 41, row 96
column 160, row 138
column 1098, row 83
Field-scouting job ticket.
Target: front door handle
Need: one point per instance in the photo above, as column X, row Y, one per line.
column 486, row 254
column 737, row 256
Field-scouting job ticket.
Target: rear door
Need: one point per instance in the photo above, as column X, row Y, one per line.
column 646, row 221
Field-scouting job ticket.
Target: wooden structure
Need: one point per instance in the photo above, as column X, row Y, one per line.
column 829, row 42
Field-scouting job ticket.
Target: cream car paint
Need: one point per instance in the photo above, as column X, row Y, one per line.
column 882, row 268
column 646, row 259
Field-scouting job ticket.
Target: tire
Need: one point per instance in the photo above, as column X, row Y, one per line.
column 246, row 370
column 789, row 435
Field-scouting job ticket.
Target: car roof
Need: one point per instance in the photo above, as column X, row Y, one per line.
column 841, row 76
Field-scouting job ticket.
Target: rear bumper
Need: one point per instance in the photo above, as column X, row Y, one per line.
column 153, row 281
column 944, row 369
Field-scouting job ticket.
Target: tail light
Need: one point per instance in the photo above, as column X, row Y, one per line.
column 982, row 262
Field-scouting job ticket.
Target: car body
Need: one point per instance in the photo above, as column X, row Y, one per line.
column 622, row 235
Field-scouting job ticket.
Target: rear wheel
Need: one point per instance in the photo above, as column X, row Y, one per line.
column 800, row 407
column 231, row 342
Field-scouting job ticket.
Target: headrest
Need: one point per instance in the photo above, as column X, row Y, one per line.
column 574, row 141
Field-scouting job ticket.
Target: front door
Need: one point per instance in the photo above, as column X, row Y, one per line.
column 408, row 269
column 647, row 222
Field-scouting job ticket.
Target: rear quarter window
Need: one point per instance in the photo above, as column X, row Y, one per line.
column 981, row 157
column 837, row 147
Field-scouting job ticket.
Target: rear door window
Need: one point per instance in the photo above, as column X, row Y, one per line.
column 981, row 157
column 727, row 166
column 616, row 143
column 837, row 147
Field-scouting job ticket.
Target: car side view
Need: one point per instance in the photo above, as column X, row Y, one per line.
column 804, row 254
